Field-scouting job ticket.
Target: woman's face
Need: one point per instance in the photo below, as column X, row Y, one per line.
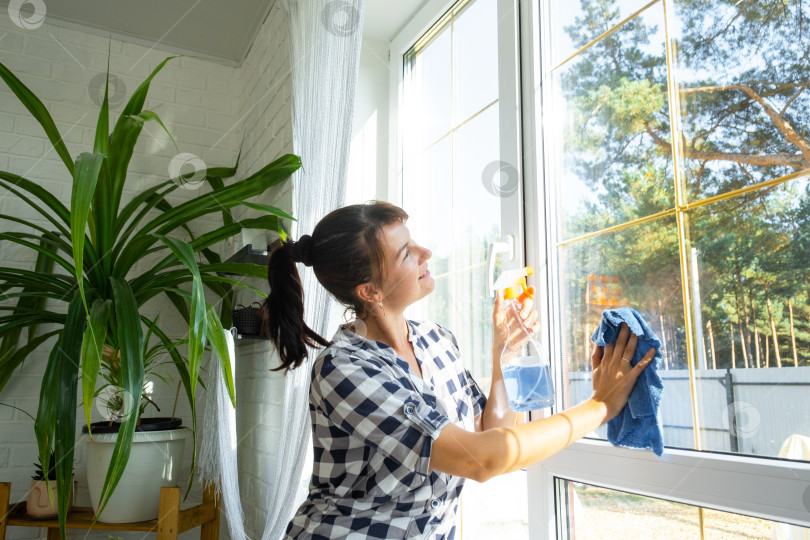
column 406, row 278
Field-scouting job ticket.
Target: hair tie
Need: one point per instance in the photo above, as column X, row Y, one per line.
column 301, row 251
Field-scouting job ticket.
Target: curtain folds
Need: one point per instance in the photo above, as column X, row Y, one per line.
column 325, row 39
column 325, row 42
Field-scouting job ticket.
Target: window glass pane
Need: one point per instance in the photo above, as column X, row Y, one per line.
column 742, row 75
column 429, row 104
column 475, row 59
column 639, row 267
column 611, row 158
column 453, row 181
column 594, row 513
column 752, row 330
column 577, row 23
column 476, row 224
column 425, row 197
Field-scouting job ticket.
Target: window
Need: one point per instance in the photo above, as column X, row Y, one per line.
column 460, row 184
column 676, row 159
column 590, row 512
column 663, row 159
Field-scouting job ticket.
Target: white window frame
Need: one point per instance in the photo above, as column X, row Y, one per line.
column 762, row 487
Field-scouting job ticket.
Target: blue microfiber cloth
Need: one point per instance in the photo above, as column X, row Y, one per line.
column 638, row 425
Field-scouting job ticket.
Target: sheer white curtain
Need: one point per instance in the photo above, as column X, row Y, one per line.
column 325, row 41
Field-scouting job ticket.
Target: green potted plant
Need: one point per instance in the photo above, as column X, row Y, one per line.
column 86, row 260
column 158, row 440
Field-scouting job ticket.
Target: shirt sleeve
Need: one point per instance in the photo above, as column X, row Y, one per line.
column 363, row 398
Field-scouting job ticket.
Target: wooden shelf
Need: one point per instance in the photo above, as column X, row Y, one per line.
column 171, row 521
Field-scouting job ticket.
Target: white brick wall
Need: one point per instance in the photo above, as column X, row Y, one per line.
column 208, row 108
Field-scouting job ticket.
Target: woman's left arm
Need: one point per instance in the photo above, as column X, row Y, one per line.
column 497, row 412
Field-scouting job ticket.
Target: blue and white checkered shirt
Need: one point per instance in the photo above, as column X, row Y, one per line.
column 373, row 424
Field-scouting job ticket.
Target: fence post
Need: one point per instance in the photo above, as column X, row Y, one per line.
column 732, row 412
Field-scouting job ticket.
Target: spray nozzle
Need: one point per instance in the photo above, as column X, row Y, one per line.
column 513, row 283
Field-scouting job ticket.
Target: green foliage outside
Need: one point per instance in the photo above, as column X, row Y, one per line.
column 741, row 73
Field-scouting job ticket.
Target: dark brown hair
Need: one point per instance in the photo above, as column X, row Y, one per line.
column 345, row 250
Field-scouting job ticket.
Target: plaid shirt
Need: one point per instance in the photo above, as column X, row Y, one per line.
column 373, row 424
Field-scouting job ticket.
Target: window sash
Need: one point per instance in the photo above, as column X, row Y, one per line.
column 766, row 488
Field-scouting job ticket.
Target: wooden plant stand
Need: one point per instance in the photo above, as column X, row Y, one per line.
column 171, row 519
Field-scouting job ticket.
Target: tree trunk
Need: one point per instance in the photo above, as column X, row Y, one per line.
column 756, row 331
column 773, row 329
column 745, row 329
column 731, row 335
column 793, row 334
column 711, row 343
column 767, row 352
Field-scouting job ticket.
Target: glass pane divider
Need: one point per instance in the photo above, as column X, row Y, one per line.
column 686, row 207
column 604, row 34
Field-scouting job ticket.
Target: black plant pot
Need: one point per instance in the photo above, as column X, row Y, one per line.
column 147, row 424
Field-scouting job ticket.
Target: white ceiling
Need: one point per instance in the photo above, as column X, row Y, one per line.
column 219, row 29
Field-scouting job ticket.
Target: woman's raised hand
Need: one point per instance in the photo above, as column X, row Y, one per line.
column 505, row 325
column 613, row 375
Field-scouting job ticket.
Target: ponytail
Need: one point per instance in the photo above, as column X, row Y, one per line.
column 283, row 309
column 345, row 250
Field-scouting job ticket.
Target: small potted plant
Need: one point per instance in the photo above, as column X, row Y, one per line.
column 40, row 503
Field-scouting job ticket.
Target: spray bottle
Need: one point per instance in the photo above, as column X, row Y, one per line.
column 524, row 362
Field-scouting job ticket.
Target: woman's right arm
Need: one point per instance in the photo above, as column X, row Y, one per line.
column 483, row 455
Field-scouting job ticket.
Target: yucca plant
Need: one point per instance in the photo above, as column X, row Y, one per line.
column 86, row 259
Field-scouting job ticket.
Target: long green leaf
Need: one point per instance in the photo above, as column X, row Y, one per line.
column 54, row 283
column 130, row 344
column 30, row 300
column 9, row 363
column 220, row 347
column 52, row 203
column 272, row 210
column 89, row 167
column 55, row 425
column 197, row 322
column 203, row 242
column 42, row 252
column 270, row 175
column 94, row 338
column 179, row 362
column 142, row 198
column 101, row 144
column 204, row 204
column 216, row 185
column 125, row 135
column 40, row 114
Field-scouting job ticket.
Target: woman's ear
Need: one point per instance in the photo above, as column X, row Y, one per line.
column 368, row 293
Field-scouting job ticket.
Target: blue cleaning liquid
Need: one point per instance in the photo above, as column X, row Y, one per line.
column 528, row 384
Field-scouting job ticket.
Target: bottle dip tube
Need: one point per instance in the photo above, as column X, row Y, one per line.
column 524, row 362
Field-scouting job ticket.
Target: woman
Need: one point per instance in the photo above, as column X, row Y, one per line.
column 397, row 421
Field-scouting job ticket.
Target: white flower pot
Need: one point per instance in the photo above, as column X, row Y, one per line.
column 154, row 462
